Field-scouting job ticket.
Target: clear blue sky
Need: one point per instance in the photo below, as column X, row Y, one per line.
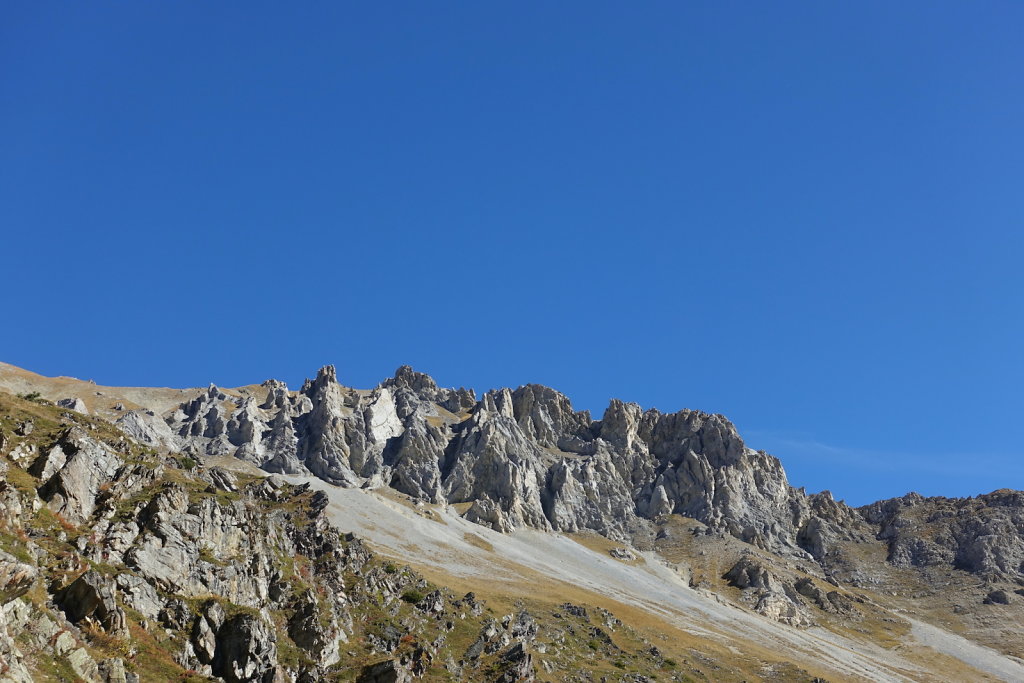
column 806, row 216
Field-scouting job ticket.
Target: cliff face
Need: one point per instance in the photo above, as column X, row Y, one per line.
column 520, row 457
column 525, row 458
column 983, row 535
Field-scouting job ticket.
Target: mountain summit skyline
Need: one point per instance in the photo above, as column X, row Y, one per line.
column 803, row 217
column 261, row 533
column 858, row 475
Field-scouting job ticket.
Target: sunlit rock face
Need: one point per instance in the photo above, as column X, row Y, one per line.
column 520, row 457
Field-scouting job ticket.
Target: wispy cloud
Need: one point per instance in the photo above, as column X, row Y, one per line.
column 793, row 447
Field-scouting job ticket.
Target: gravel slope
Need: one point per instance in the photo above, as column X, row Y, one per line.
column 437, row 538
column 978, row 656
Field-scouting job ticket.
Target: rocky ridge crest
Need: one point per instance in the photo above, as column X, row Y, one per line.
column 525, row 457
column 521, row 457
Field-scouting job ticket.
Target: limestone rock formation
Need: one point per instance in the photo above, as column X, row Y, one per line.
column 982, row 534
column 92, row 595
column 770, row 594
column 245, row 650
column 74, row 469
column 15, row 577
column 518, row 458
column 148, row 428
column 525, row 458
column 76, row 404
column 209, row 571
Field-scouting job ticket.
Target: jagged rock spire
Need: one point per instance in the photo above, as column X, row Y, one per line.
column 525, row 452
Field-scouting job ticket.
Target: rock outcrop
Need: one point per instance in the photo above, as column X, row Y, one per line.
column 146, row 427
column 525, row 458
column 183, row 570
column 73, row 470
column 92, row 596
column 15, row 577
column 519, row 458
column 770, row 594
column 76, row 404
column 983, row 535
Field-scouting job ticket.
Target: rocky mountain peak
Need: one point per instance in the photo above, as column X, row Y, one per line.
column 526, row 457
column 277, row 395
column 325, row 376
column 621, row 423
column 499, row 402
column 547, row 417
column 419, row 383
column 524, row 453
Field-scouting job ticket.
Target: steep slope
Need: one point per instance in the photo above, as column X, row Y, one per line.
column 119, row 564
column 489, row 487
column 851, row 635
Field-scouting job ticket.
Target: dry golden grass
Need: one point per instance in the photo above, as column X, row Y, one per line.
column 541, row 593
column 96, row 396
column 477, row 541
column 397, row 497
column 598, row 543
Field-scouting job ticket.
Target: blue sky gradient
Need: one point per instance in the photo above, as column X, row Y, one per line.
column 806, row 216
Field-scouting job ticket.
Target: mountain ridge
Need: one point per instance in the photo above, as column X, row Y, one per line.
column 437, row 443
column 651, row 490
column 520, row 457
